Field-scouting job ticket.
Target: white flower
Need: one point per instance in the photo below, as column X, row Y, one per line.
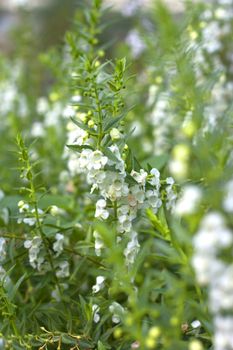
column 99, row 284
column 155, row 178
column 228, row 199
column 97, row 161
column 84, row 159
column 36, row 257
column 2, row 248
column 101, row 211
column 99, row 244
column 29, row 221
column 95, row 312
column 132, row 248
column 171, row 195
column 58, row 244
column 77, row 136
column 117, row 312
column 196, row 324
column 2, row 195
column 153, row 199
column 37, row 129
column 63, row 270
column 135, row 42
column 138, row 195
column 23, row 207
column 139, row 177
column 223, row 337
column 189, row 200
column 42, row 105
column 124, row 223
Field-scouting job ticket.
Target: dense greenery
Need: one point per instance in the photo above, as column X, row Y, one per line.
column 116, row 193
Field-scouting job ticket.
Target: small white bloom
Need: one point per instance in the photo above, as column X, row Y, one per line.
column 99, row 244
column 95, row 312
column 2, row 248
column 63, row 270
column 155, row 178
column 58, row 244
column 196, row 324
column 189, row 200
column 2, row 195
column 101, row 211
column 132, row 248
column 139, row 177
column 99, row 284
column 117, row 312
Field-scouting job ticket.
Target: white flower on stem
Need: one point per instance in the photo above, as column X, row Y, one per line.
column 63, row 270
column 2, row 248
column 171, row 195
column 119, row 164
column 36, row 257
column 76, row 135
column 153, row 199
column 84, row 158
column 101, row 211
column 196, row 324
column 132, row 249
column 223, row 337
column 2, row 195
column 23, row 207
column 99, row 284
column 189, row 200
column 114, row 187
column 97, row 161
column 117, row 312
column 58, row 244
column 155, row 178
column 95, row 312
column 228, row 198
column 124, row 223
column 99, row 244
column 137, row 195
column 139, row 177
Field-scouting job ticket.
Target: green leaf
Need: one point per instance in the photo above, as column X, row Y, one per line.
column 112, row 121
column 79, row 148
column 14, row 290
column 159, row 223
column 101, row 346
column 157, row 162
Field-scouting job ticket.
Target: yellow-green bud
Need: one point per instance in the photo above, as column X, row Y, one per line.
column 101, row 53
column 195, row 345
column 54, row 96
column 158, row 80
column 117, row 333
column 154, row 332
column 115, row 134
column 189, row 128
column 91, row 123
column 181, row 152
column 150, row 343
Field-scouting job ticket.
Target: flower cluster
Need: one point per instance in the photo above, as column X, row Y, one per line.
column 210, row 243
column 29, row 216
column 121, row 195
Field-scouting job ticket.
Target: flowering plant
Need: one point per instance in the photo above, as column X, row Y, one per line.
column 119, row 233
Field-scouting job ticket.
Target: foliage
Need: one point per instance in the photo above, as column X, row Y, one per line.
column 100, row 248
